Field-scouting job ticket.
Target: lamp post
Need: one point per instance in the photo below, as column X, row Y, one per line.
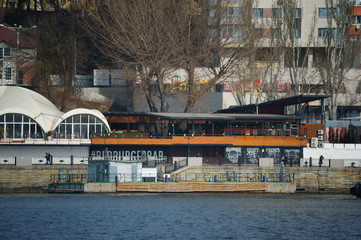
column 18, row 29
column 17, row 54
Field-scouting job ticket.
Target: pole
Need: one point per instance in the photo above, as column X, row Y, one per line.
column 17, row 55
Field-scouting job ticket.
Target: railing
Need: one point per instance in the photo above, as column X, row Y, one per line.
column 56, row 160
column 234, row 177
column 52, row 141
column 70, row 178
column 217, row 132
column 124, row 177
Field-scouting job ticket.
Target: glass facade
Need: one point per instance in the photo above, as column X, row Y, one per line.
column 76, row 126
column 79, row 126
column 19, row 126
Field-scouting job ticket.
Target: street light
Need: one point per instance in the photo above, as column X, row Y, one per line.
column 18, row 29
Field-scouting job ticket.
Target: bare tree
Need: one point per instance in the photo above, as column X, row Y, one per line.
column 142, row 34
column 337, row 54
column 56, row 36
column 220, row 36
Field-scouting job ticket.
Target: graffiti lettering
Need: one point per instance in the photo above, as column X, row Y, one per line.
column 133, row 155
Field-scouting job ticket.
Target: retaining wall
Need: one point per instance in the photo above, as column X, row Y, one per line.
column 307, row 179
column 33, row 178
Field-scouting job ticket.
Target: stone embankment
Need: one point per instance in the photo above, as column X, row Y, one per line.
column 325, row 180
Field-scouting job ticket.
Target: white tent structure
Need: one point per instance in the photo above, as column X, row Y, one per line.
column 25, row 113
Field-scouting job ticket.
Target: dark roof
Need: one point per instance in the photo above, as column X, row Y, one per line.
column 9, row 35
column 220, row 116
column 275, row 106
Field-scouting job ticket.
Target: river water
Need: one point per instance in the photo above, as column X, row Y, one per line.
column 179, row 216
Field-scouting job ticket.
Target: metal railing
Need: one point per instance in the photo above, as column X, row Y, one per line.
column 234, row 177
column 50, row 141
column 70, row 178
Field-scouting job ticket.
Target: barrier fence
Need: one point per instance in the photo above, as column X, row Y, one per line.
column 235, row 177
column 188, row 177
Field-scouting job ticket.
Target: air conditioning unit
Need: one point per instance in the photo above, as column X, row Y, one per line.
column 320, row 132
column 321, row 145
column 320, row 138
column 314, row 142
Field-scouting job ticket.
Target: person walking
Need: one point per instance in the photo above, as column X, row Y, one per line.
column 320, row 161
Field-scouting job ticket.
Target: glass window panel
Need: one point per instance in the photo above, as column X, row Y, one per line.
column 32, row 130
column 7, row 52
column 98, row 128
column 10, row 130
column 8, row 73
column 76, row 132
column 26, row 119
column 26, row 128
column 62, row 131
column 2, row 118
column 297, row 13
column 91, row 119
column 68, row 131
column 17, row 130
column 276, row 12
column 18, row 118
column 84, row 131
column 91, row 129
column 76, row 119
column 2, row 127
column 9, row 118
column 84, row 118
column 258, row 12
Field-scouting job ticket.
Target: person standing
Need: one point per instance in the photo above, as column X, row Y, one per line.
column 47, row 157
column 320, row 161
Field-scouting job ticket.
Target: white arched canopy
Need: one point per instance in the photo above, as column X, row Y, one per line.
column 27, row 114
column 81, row 123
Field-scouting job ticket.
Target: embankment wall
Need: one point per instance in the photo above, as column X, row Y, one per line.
column 307, row 179
column 310, row 179
column 33, row 178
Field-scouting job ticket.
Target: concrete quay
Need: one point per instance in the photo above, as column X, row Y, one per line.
column 18, row 179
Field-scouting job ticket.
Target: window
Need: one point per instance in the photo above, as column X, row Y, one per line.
column 297, row 28
column 326, row 12
column 6, row 52
column 357, row 20
column 353, row 2
column 79, row 126
column 297, row 33
column 297, row 12
column 327, row 33
column 276, row 12
column 230, row 31
column 322, row 32
column 232, row 12
column 8, row 73
column 258, row 12
column 276, row 33
column 19, row 126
